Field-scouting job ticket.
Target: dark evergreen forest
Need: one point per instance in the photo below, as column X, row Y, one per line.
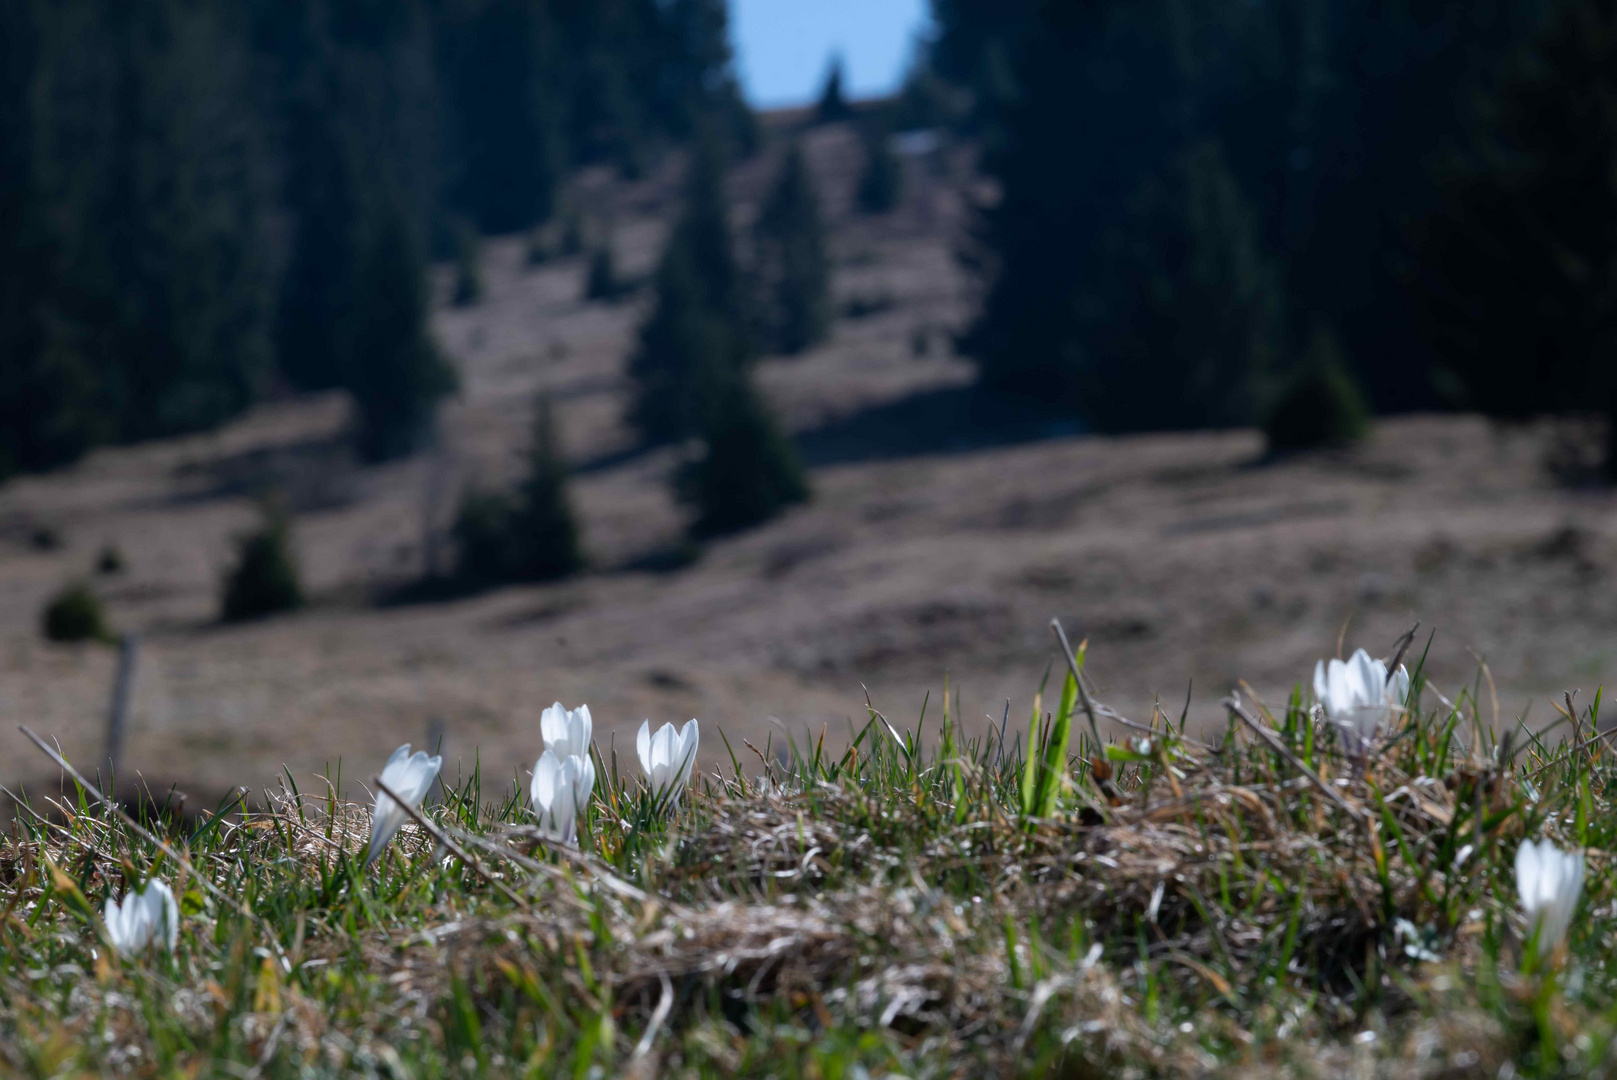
column 201, row 200
column 1193, row 196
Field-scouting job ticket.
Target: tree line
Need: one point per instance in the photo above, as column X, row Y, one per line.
column 1204, row 206
column 200, row 201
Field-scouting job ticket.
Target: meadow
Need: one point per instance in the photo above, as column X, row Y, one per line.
column 1290, row 896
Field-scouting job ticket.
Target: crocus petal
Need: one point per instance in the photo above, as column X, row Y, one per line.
column 409, row 776
column 162, row 913
column 586, row 782
column 553, row 725
column 1359, row 698
column 1527, row 875
column 545, row 773
column 151, row 909
column 117, row 926
column 663, row 757
column 1340, row 698
column 567, row 805
column 657, row 756
column 660, row 749
column 567, row 732
column 1550, row 882
column 689, row 738
column 413, row 777
column 147, row 916
column 1362, row 677
column 129, row 935
column 561, row 790
column 1400, row 686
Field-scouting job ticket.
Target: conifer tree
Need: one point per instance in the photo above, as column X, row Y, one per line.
column 572, row 235
column 1319, row 404
column 265, row 578
column 531, row 535
column 134, row 291
column 792, row 258
column 699, row 332
column 317, row 287
column 1192, row 331
column 507, row 140
column 50, row 411
column 833, row 105
column 1130, row 282
column 882, row 182
column 544, row 517
column 1517, row 288
column 145, row 150
column 485, row 544
column 396, row 372
column 165, row 259
column 748, row 470
column 468, row 271
column 601, row 282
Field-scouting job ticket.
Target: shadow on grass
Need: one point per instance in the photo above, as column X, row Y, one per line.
column 439, row 589
column 956, row 420
column 312, row 475
column 669, row 558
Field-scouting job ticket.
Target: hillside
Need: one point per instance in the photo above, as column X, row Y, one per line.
column 944, row 534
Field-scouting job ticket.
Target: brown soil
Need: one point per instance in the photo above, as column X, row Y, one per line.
column 944, row 535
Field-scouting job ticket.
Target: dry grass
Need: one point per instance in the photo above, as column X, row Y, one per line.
column 1256, row 907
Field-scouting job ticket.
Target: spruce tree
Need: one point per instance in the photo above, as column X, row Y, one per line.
column 1517, row 281
column 487, row 548
column 468, row 272
column 134, row 286
column 699, row 332
column 601, row 281
column 691, row 82
column 1192, row 331
column 748, row 470
column 51, row 410
column 159, row 160
column 165, row 254
column 327, row 201
column 792, row 258
column 833, row 105
column 265, row 578
column 1130, row 282
column 1319, row 404
column 396, row 373
column 544, row 519
column 531, row 535
column 572, row 234
column 882, row 182
column 507, row 138
column 75, row 614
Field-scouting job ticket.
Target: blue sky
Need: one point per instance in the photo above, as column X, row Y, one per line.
column 782, row 46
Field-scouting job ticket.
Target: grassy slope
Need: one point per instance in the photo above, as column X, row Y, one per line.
column 915, row 907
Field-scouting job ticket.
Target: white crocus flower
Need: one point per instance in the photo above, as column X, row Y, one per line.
column 147, row 917
column 667, row 758
column 566, row 731
column 561, row 789
column 409, row 776
column 1359, row 698
column 1549, row 881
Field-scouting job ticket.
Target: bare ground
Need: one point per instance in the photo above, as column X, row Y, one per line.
column 944, row 534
